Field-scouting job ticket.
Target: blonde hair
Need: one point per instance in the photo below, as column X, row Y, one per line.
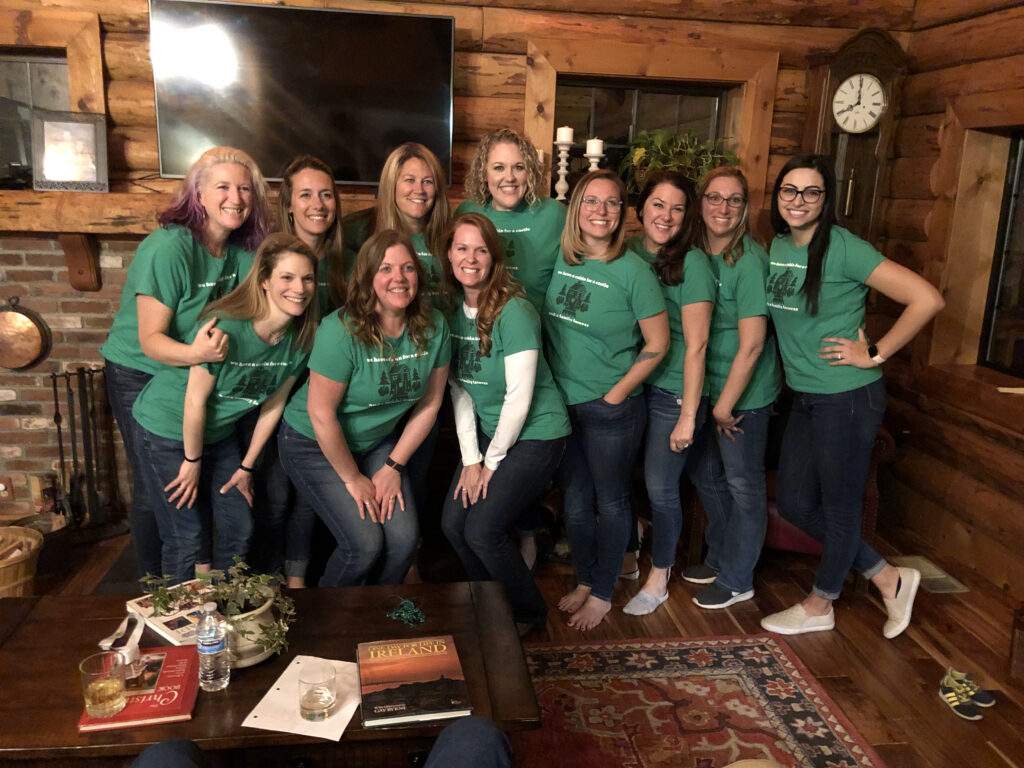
column 500, row 285
column 734, row 249
column 476, row 176
column 361, row 305
column 574, row 249
column 386, row 213
column 249, row 300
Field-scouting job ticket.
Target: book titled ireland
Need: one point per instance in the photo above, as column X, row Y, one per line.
column 407, row 681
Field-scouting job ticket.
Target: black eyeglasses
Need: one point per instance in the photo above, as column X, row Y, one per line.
column 733, row 201
column 809, row 195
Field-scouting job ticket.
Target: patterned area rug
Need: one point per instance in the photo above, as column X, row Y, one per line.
column 697, row 703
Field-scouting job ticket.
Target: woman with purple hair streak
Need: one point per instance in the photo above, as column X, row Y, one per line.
column 201, row 251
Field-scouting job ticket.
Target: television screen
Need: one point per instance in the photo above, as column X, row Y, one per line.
column 277, row 82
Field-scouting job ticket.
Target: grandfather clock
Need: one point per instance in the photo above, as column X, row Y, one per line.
column 853, row 100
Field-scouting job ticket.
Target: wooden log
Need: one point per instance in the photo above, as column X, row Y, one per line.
column 906, row 253
column 928, row 92
column 476, row 115
column 131, row 103
column 468, row 20
column 905, row 219
column 79, row 212
column 983, row 37
column 490, row 74
column 787, row 132
column 888, row 14
column 918, row 136
column 909, row 177
column 507, row 31
column 126, row 56
column 791, row 90
column 120, row 16
column 775, row 162
column 133, row 149
column 931, row 13
column 992, row 109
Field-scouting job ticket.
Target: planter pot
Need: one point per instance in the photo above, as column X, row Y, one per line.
column 245, row 651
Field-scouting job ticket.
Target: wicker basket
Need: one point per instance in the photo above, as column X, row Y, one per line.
column 17, row 573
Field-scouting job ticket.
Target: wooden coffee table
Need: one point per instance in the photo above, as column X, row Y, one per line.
column 43, row 639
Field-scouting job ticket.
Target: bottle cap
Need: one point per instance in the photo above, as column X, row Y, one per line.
column 210, row 607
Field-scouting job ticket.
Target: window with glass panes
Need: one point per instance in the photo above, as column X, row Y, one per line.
column 1002, row 344
column 617, row 110
column 26, row 82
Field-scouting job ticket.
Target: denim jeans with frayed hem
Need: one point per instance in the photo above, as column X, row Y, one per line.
column 823, row 471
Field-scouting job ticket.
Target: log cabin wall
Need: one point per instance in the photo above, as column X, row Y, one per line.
column 957, row 484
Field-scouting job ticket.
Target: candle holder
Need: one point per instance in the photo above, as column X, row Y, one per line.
column 562, row 185
column 594, row 160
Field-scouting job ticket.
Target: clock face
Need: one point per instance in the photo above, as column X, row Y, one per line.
column 859, row 103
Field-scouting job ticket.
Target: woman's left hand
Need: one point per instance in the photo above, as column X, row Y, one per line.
column 241, row 480
column 388, row 484
column 846, row 352
column 682, row 435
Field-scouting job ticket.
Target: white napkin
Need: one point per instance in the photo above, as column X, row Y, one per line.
column 278, row 710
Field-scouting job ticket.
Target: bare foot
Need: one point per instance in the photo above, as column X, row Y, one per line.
column 591, row 614
column 573, row 601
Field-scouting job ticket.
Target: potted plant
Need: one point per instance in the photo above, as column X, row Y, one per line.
column 257, row 614
column 666, row 150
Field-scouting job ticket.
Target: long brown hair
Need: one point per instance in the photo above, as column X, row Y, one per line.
column 329, row 245
column 500, row 285
column 386, row 214
column 734, row 249
column 669, row 261
column 361, row 304
column 574, row 249
column 249, row 301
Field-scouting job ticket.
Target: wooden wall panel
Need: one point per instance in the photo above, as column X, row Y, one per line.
column 984, row 37
column 928, row 92
column 931, row 13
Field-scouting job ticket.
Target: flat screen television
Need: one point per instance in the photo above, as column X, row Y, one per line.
column 276, row 82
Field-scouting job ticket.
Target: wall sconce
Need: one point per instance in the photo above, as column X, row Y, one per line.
column 69, row 151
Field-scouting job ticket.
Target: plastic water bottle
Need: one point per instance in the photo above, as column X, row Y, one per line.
column 214, row 656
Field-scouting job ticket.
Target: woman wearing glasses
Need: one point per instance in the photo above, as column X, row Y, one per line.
column 675, row 408
column 819, row 276
column 727, row 463
column 607, row 330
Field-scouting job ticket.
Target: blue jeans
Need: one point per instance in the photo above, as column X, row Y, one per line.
column 481, row 534
column 730, row 480
column 823, row 470
column 182, row 530
column 595, row 475
column 366, row 552
column 663, row 468
column 123, row 386
column 469, row 742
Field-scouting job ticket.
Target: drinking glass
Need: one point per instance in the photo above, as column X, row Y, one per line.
column 103, row 683
column 317, row 690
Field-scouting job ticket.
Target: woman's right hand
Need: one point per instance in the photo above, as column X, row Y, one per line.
column 364, row 494
column 185, row 485
column 210, row 344
column 469, row 485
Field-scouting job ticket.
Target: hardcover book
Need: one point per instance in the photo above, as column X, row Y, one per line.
column 164, row 691
column 177, row 625
column 406, row 681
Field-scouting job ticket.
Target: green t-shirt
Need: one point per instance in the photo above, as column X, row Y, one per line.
column 531, row 236
column 382, row 385
column 590, row 322
column 698, row 285
column 248, row 376
column 516, row 329
column 175, row 269
column 358, row 227
column 741, row 295
column 847, row 264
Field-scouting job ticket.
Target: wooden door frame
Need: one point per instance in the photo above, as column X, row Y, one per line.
column 750, row 74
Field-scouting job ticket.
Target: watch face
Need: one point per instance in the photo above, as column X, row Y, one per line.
column 859, row 103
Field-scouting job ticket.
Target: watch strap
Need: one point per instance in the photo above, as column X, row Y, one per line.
column 874, row 354
column 389, row 462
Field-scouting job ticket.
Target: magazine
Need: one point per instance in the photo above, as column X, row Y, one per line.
column 178, row 625
column 406, row 681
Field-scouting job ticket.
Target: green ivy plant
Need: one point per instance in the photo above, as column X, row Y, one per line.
column 236, row 591
column 667, row 150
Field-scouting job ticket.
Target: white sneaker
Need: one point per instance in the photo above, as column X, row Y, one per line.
column 796, row 621
column 901, row 606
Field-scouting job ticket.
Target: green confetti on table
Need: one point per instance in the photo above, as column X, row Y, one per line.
column 408, row 613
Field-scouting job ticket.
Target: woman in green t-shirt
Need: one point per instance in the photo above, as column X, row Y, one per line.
column 727, row 465
column 376, row 381
column 818, row 280
column 501, row 380
column 606, row 330
column 675, row 408
column 189, row 451
column 201, row 251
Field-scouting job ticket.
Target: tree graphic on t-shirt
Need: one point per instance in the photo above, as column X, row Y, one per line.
column 468, row 359
column 575, row 299
column 781, row 285
column 398, row 382
column 509, row 246
column 257, row 386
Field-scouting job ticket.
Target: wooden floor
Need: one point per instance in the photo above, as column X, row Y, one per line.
column 887, row 688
